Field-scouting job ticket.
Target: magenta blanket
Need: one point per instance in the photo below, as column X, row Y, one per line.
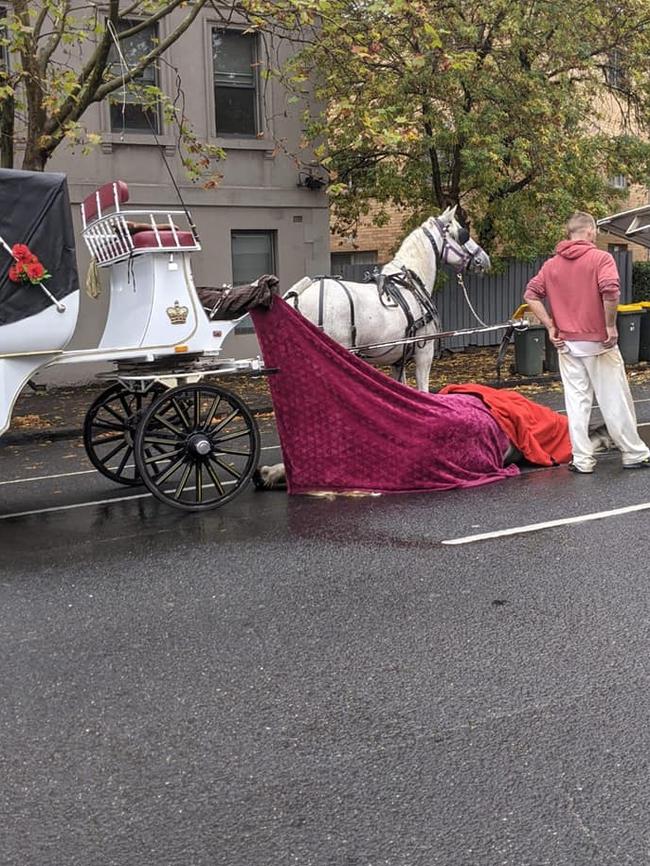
column 346, row 426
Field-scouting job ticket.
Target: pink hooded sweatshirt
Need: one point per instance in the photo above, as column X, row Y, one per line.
column 575, row 282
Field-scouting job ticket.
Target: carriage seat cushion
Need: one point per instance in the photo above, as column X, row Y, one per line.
column 149, row 240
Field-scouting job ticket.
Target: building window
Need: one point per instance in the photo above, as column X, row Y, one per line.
column 615, row 70
column 129, row 109
column 361, row 257
column 253, row 255
column 4, row 51
column 234, row 59
column 616, row 248
column 619, row 181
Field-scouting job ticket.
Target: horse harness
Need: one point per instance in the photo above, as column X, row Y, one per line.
column 391, row 288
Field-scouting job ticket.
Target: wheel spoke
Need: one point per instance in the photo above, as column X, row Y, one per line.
column 128, row 411
column 164, row 455
column 228, row 437
column 234, row 453
column 198, row 474
column 226, row 466
column 183, row 481
column 158, row 439
column 115, row 450
column 160, row 479
column 215, row 478
column 197, row 410
column 108, row 425
column 182, row 414
column 212, row 412
column 179, row 433
column 225, row 421
column 106, row 440
column 112, row 412
column 124, row 460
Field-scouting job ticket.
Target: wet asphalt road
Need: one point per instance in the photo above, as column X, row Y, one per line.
column 322, row 683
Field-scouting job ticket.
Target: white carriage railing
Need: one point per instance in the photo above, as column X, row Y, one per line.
column 110, row 240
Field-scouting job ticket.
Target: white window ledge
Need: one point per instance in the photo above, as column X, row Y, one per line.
column 111, row 139
column 235, row 143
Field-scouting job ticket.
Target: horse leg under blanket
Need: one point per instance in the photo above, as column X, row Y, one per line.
column 275, row 478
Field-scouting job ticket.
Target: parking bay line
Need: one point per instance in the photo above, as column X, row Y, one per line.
column 87, row 472
column 109, row 501
column 549, row 524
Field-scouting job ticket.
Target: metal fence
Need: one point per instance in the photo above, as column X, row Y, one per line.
column 495, row 297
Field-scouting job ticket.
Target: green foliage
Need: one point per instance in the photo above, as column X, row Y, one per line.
column 641, row 281
column 503, row 107
column 64, row 59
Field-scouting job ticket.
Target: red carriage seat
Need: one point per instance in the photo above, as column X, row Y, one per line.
column 149, row 239
column 107, row 197
column 110, row 235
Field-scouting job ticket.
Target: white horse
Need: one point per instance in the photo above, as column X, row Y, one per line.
column 399, row 305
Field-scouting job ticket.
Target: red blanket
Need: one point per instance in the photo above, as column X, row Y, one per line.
column 541, row 434
column 346, row 426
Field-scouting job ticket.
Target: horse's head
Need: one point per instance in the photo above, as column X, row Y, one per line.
column 453, row 243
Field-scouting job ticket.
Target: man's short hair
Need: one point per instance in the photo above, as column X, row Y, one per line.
column 579, row 222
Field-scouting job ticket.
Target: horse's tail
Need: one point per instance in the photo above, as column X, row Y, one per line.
column 297, row 289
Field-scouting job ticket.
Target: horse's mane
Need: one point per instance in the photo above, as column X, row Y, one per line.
column 413, row 253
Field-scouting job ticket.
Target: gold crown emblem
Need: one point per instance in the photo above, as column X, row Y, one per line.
column 177, row 314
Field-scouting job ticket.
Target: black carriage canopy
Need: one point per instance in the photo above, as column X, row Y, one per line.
column 35, row 210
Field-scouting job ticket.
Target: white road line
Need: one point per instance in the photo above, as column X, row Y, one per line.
column 74, row 505
column 87, row 472
column 94, row 502
column 549, row 524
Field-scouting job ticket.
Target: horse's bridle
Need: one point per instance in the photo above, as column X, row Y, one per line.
column 447, row 244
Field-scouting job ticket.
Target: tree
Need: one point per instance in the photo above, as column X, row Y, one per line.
column 519, row 112
column 63, row 58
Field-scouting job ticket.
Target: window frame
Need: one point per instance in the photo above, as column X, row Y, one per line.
column 246, row 326
column 147, row 132
column 236, row 141
column 618, row 181
column 5, row 66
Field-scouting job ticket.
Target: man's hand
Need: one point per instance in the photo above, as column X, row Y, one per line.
column 554, row 337
column 612, row 337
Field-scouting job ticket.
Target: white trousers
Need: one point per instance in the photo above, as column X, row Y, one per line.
column 604, row 376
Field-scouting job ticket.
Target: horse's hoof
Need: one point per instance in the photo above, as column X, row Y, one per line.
column 258, row 481
column 270, row 477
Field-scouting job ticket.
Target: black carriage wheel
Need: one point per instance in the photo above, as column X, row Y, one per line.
column 197, row 447
column 109, row 431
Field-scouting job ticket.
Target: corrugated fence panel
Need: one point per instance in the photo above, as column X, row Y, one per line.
column 495, row 297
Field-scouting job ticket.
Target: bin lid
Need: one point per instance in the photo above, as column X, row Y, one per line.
column 630, row 308
column 645, row 305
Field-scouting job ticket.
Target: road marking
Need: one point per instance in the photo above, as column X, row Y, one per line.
column 87, row 472
column 549, row 524
column 74, row 505
column 94, row 502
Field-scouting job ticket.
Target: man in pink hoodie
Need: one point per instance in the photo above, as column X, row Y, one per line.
column 581, row 287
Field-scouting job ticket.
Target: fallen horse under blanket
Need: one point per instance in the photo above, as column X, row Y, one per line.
column 345, row 426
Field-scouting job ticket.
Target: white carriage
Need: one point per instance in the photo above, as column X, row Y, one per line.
column 194, row 444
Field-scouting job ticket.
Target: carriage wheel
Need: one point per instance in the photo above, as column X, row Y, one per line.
column 197, row 447
column 109, row 431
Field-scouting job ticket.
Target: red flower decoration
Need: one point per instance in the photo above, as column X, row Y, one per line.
column 22, row 253
column 27, row 268
column 35, row 271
